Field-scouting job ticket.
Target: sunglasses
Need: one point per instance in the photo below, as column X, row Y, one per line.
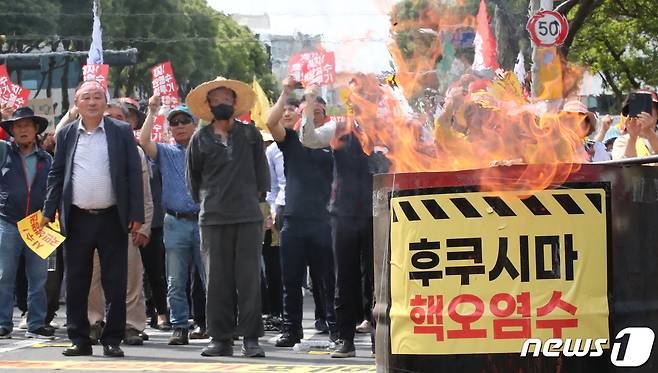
column 176, row 122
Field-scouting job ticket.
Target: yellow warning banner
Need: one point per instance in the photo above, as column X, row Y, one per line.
column 42, row 241
column 481, row 272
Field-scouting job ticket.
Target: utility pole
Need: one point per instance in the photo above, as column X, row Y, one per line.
column 537, row 87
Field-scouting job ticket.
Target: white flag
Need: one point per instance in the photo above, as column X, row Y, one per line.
column 519, row 68
column 96, row 49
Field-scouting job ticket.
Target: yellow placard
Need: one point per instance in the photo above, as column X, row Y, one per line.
column 42, row 241
column 481, row 272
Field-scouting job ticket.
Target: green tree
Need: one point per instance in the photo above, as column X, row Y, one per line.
column 619, row 42
column 23, row 27
column 200, row 42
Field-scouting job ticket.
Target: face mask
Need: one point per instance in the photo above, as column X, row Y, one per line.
column 222, row 111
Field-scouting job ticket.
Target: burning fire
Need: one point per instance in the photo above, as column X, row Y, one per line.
column 486, row 120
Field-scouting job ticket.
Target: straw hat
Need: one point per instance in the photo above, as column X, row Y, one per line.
column 197, row 101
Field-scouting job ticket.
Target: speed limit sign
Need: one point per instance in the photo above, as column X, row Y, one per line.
column 548, row 28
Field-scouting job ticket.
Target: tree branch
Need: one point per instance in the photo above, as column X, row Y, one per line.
column 586, row 8
column 624, row 67
column 608, row 79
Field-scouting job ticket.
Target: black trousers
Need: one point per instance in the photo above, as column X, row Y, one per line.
column 153, row 259
column 197, row 298
column 272, row 284
column 54, row 285
column 353, row 247
column 319, row 296
column 367, row 284
column 105, row 233
column 305, row 242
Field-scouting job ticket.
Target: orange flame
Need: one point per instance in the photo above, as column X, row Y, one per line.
column 485, row 123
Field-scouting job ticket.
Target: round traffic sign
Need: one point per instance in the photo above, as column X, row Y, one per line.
column 548, row 28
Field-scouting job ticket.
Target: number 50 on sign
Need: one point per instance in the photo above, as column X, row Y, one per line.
column 548, row 28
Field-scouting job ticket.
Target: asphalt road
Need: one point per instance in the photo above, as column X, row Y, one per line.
column 31, row 355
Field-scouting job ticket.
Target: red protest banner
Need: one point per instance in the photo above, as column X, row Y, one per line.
column 157, row 133
column 164, row 84
column 313, row 67
column 11, row 94
column 158, row 128
column 98, row 73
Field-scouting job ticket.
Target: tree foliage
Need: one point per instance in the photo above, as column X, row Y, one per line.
column 200, row 42
column 620, row 42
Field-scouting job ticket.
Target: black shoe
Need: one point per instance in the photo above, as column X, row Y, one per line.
column 78, row 350
column 43, row 332
column 218, row 348
column 273, row 324
column 333, row 335
column 145, row 337
column 288, row 339
column 179, row 337
column 112, row 351
column 344, row 349
column 321, row 326
column 131, row 337
column 251, row 348
column 95, row 332
column 5, row 333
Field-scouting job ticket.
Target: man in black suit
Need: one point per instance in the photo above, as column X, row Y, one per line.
column 96, row 185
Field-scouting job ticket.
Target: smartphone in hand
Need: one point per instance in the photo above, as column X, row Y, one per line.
column 638, row 103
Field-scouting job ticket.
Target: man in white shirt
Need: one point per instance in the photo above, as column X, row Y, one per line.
column 96, row 185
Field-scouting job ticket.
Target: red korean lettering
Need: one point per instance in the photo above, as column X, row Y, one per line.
column 466, row 319
column 504, row 305
column 556, row 325
column 428, row 311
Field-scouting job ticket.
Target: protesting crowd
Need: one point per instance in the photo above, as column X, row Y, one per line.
column 224, row 225
column 149, row 225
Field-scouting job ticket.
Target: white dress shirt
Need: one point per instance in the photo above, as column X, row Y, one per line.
column 92, row 183
column 277, row 194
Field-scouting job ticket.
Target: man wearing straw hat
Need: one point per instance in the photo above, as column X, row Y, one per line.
column 227, row 172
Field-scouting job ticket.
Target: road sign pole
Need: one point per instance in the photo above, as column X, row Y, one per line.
column 537, row 87
column 548, row 29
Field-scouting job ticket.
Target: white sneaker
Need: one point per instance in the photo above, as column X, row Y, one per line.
column 54, row 324
column 23, row 324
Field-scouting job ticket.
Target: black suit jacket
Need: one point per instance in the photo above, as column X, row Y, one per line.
column 125, row 171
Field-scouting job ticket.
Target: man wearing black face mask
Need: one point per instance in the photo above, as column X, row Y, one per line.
column 226, row 173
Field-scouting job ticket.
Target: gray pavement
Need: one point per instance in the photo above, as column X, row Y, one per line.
column 31, row 355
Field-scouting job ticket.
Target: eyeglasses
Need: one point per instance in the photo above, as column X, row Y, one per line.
column 176, row 122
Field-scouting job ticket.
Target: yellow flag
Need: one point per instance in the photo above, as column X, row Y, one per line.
column 261, row 107
column 550, row 73
column 42, row 241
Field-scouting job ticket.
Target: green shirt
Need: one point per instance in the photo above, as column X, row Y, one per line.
column 30, row 162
